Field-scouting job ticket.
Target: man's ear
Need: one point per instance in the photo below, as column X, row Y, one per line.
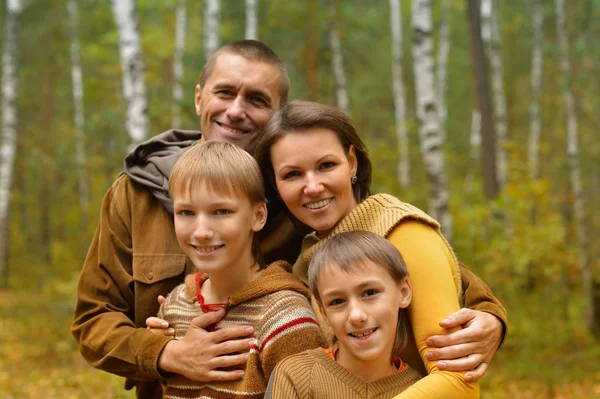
column 405, row 293
column 197, row 98
column 352, row 160
column 260, row 217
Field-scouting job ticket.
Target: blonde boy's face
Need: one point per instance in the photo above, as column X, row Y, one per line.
column 215, row 227
column 361, row 307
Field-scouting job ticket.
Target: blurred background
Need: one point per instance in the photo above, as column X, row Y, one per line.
column 484, row 113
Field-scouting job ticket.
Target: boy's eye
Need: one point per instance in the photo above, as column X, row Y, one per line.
column 336, row 302
column 370, row 292
column 222, row 212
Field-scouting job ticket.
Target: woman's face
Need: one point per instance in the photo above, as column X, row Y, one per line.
column 312, row 175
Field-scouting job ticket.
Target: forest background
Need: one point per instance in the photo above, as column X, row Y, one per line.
column 528, row 226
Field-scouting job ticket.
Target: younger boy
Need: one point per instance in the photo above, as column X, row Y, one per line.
column 361, row 285
column 218, row 198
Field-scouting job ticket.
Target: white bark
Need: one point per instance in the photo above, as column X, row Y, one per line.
column 180, row 30
column 427, row 114
column 9, row 124
column 399, row 97
column 337, row 60
column 475, row 142
column 78, row 113
column 134, row 86
column 251, row 19
column 535, row 124
column 490, row 32
column 575, row 176
column 442, row 64
column 212, row 21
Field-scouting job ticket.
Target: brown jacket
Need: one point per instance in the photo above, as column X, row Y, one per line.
column 134, row 257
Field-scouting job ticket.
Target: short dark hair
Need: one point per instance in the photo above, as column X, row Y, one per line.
column 348, row 251
column 302, row 115
column 252, row 50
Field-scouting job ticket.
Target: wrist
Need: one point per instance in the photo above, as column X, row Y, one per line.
column 167, row 363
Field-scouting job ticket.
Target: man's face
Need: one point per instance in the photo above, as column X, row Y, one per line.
column 237, row 99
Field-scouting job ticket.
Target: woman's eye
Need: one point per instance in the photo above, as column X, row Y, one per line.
column 327, row 165
column 290, row 175
column 222, row 212
column 370, row 292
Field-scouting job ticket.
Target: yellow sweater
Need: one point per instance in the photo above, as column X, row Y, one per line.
column 435, row 280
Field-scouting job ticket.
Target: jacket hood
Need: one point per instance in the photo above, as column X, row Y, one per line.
column 150, row 162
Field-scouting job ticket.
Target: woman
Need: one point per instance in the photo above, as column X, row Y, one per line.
column 312, row 156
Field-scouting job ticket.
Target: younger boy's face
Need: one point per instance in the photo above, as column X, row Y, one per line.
column 361, row 307
column 215, row 227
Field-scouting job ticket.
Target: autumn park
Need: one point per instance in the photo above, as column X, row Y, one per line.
column 480, row 112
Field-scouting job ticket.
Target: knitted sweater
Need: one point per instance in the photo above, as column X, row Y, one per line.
column 435, row 281
column 314, row 375
column 275, row 303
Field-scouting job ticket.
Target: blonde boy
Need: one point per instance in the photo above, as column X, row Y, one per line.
column 219, row 207
column 361, row 285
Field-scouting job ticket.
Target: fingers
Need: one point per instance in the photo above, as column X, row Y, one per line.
column 454, row 352
column 161, row 299
column 456, row 338
column 463, row 316
column 476, row 374
column 207, row 319
column 467, row 363
column 159, row 327
column 233, row 346
column 233, row 361
column 218, row 375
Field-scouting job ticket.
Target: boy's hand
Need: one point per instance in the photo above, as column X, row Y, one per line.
column 470, row 349
column 201, row 355
column 159, row 326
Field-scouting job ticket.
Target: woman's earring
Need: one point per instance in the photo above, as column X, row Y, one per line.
column 353, row 179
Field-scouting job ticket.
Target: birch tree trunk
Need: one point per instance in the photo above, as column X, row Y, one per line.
column 9, row 124
column 475, row 147
column 252, row 19
column 134, row 86
column 78, row 115
column 212, row 22
column 311, row 50
column 180, row 30
column 535, row 125
column 442, row 64
column 428, row 114
column 488, row 139
column 399, row 97
column 337, row 60
column 490, row 32
column 575, row 176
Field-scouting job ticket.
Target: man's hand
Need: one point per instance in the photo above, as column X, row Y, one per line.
column 159, row 326
column 470, row 349
column 200, row 354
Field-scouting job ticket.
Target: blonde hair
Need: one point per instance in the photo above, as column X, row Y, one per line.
column 222, row 167
column 348, row 251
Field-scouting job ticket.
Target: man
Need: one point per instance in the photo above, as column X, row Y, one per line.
column 134, row 256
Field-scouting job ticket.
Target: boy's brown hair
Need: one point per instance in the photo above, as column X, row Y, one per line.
column 348, row 251
column 222, row 167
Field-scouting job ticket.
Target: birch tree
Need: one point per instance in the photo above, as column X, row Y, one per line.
column 442, row 64
column 212, row 22
column 488, row 139
column 399, row 97
column 180, row 31
column 575, row 175
column 535, row 125
column 78, row 114
column 9, row 123
column 490, row 32
column 311, row 49
column 428, row 115
column 252, row 19
column 337, row 60
column 134, row 86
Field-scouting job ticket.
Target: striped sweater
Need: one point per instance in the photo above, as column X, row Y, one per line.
column 276, row 304
column 315, row 374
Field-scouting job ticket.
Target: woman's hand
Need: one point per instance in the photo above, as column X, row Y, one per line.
column 159, row 326
column 470, row 349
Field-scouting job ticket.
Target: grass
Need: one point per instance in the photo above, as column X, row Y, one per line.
column 39, row 358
